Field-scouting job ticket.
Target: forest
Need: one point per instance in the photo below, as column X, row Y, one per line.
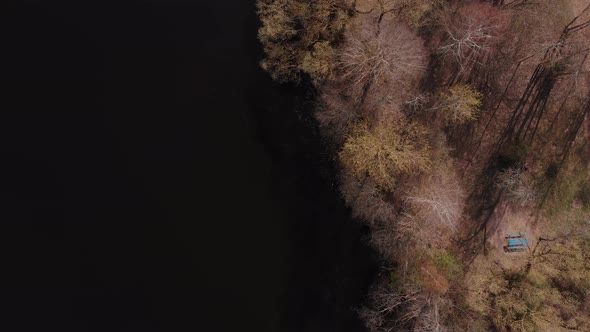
column 453, row 123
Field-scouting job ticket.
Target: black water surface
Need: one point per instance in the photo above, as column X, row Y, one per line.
column 153, row 178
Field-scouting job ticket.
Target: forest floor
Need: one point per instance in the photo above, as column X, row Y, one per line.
column 508, row 219
column 579, row 5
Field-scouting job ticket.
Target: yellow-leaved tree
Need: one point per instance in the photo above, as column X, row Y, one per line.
column 385, row 150
column 460, row 104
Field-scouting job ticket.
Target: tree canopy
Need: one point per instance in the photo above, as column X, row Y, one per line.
column 385, row 151
column 386, row 57
column 298, row 36
column 460, row 104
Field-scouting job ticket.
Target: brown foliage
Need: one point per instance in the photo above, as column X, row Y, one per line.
column 413, row 13
column 299, row 36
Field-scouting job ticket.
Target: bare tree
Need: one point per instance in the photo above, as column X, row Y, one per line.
column 471, row 32
column 385, row 239
column 517, row 185
column 430, row 319
column 389, row 58
column 439, row 201
column 366, row 200
column 402, row 308
column 417, row 104
column 381, row 312
column 335, row 114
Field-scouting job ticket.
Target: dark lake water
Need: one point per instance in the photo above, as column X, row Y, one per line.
column 155, row 179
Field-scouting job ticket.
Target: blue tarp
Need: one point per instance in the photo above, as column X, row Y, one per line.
column 517, row 242
column 515, row 248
